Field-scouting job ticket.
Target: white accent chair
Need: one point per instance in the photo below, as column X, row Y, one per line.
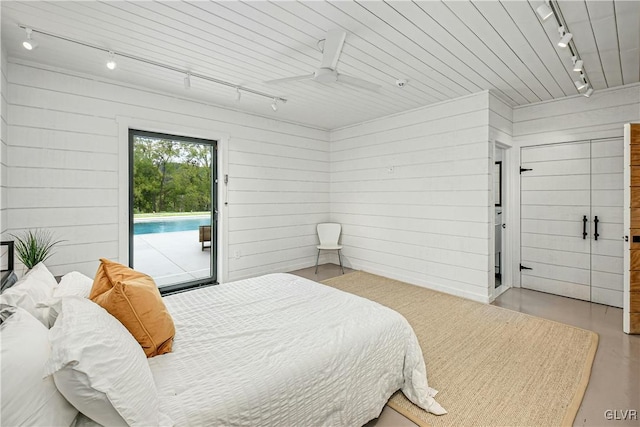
column 329, row 234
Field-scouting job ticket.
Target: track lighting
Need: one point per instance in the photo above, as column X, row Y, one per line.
column 589, row 92
column 578, row 64
column 544, row 10
column 565, row 37
column 111, row 62
column 29, row 43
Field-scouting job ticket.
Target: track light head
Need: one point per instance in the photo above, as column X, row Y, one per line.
column 589, row 92
column 581, row 83
column 238, row 94
column 187, row 81
column 578, row 64
column 29, row 43
column 565, row 37
column 274, row 104
column 111, row 62
column 544, row 10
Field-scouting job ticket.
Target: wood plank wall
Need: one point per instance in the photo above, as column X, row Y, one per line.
column 3, row 147
column 634, row 232
column 412, row 193
column 64, row 169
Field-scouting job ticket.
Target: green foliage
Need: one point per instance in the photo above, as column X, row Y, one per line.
column 171, row 176
column 33, row 247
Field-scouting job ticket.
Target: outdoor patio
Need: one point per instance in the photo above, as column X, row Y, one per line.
column 171, row 257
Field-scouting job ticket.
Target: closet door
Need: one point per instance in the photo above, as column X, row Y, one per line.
column 607, row 196
column 555, row 202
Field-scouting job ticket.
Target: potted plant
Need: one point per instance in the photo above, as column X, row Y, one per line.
column 33, row 247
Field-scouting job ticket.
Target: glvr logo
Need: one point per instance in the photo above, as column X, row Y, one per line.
column 621, row 414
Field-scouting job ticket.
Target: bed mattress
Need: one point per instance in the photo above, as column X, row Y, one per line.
column 283, row 350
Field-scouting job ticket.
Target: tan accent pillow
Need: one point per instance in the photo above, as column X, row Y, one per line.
column 133, row 298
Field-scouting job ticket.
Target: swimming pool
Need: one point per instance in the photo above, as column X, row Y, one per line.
column 168, row 225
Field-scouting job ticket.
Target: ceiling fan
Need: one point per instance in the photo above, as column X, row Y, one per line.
column 326, row 72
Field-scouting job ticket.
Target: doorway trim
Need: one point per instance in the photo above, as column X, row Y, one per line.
column 126, row 123
column 507, row 216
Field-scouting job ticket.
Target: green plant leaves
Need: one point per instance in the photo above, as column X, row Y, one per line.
column 33, row 247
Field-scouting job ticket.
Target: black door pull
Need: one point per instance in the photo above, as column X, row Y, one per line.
column 584, row 227
column 595, row 234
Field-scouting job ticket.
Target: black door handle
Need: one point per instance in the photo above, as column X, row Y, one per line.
column 596, row 221
column 584, row 227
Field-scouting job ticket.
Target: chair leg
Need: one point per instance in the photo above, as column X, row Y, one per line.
column 317, row 259
column 340, row 261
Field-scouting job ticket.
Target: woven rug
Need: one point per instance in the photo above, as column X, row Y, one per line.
column 492, row 366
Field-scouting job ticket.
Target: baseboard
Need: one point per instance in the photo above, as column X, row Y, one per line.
column 425, row 284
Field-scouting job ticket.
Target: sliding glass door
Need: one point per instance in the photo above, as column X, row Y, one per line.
column 172, row 193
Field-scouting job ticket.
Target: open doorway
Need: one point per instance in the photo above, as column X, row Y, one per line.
column 173, row 215
column 499, row 222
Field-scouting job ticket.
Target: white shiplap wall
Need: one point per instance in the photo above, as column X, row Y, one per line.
column 66, row 159
column 3, row 145
column 576, row 118
column 412, row 192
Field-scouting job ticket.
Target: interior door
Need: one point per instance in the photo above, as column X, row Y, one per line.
column 607, row 198
column 572, row 220
column 555, row 216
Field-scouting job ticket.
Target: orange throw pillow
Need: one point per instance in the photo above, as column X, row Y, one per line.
column 133, row 298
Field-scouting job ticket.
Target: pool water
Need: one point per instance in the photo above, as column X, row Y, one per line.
column 169, row 225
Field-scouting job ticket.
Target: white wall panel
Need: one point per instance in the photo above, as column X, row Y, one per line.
column 412, row 193
column 65, row 164
column 4, row 175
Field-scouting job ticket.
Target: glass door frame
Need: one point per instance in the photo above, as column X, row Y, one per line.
column 213, row 266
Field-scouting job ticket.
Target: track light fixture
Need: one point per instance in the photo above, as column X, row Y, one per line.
column 565, row 37
column 544, row 10
column 29, row 43
column 566, row 41
column 238, row 94
column 578, row 64
column 111, row 62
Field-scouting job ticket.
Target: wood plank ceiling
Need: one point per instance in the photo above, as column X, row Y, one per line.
column 444, row 49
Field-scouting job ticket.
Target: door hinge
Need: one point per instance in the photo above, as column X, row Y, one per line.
column 524, row 169
column 522, row 267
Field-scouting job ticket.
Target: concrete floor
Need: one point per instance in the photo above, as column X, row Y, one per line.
column 614, row 385
column 171, row 257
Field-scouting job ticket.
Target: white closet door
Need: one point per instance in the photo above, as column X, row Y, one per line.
column 555, row 197
column 607, row 165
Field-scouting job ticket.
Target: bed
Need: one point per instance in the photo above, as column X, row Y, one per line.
column 283, row 350
column 273, row 350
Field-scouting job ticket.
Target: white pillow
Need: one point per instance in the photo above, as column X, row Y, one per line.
column 27, row 397
column 41, row 272
column 35, row 287
column 99, row 367
column 73, row 283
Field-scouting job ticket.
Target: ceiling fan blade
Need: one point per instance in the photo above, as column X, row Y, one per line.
column 354, row 81
column 332, row 47
column 289, row 79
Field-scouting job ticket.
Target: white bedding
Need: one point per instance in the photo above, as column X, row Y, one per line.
column 285, row 351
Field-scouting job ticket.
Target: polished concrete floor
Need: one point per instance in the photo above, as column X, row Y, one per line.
column 614, row 386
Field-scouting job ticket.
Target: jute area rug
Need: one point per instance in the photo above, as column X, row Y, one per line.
column 492, row 366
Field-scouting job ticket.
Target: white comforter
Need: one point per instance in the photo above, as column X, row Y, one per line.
column 285, row 351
